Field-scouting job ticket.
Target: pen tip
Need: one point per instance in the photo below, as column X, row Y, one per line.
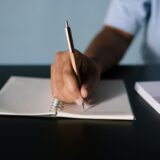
column 66, row 23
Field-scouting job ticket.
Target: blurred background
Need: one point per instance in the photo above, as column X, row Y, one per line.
column 31, row 31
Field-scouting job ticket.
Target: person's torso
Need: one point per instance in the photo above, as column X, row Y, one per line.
column 152, row 40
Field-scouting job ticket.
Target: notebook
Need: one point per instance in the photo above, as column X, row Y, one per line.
column 32, row 97
column 150, row 92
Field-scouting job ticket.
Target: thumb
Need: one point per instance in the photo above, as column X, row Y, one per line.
column 85, row 90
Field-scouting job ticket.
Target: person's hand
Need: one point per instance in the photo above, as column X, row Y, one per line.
column 64, row 81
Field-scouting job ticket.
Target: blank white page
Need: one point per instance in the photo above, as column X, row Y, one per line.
column 152, row 87
column 111, row 102
column 25, row 96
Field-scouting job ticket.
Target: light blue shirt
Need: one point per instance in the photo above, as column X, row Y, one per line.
column 131, row 16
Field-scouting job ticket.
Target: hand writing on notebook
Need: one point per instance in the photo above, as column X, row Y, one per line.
column 64, row 80
column 104, row 52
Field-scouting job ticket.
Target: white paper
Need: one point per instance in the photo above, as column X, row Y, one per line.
column 150, row 91
column 32, row 96
column 25, row 96
column 111, row 102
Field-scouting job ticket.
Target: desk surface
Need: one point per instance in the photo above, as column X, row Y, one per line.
column 47, row 138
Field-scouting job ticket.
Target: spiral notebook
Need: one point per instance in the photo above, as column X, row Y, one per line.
column 32, row 97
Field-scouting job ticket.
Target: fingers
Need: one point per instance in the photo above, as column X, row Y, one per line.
column 88, row 87
column 55, row 83
column 71, row 85
column 92, row 76
column 64, row 81
column 85, row 90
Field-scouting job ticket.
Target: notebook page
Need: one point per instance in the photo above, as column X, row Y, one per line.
column 157, row 99
column 111, row 102
column 25, row 96
column 152, row 87
column 150, row 91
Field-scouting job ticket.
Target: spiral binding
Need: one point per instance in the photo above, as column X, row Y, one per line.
column 56, row 105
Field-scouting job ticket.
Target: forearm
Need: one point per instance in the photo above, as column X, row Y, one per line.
column 108, row 47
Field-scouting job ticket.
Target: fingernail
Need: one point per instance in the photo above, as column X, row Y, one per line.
column 79, row 101
column 84, row 91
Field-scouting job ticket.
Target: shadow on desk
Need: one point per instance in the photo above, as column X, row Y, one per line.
column 92, row 138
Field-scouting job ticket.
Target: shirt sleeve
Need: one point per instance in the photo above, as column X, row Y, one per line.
column 127, row 15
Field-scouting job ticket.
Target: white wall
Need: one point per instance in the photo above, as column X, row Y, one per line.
column 31, row 31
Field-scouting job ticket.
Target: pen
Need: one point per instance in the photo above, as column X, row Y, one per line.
column 72, row 53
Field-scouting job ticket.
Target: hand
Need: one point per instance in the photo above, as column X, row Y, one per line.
column 64, row 81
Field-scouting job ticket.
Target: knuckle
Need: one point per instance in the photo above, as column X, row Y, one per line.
column 58, row 84
column 59, row 55
column 69, row 77
column 74, row 91
column 67, row 73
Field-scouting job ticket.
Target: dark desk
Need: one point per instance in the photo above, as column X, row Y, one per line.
column 46, row 138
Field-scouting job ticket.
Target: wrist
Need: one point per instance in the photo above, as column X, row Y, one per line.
column 96, row 63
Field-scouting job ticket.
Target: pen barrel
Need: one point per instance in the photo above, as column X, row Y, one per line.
column 69, row 39
column 73, row 56
column 75, row 66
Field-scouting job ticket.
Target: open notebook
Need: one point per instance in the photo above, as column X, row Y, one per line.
column 32, row 97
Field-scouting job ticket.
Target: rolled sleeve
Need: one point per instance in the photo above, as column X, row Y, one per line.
column 127, row 15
